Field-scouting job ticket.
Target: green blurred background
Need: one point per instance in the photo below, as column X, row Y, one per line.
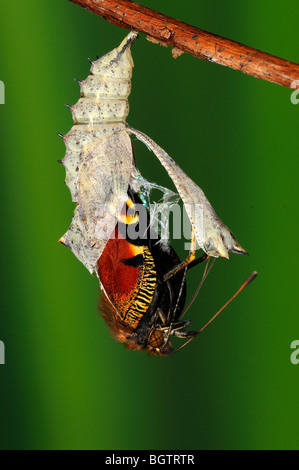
column 66, row 383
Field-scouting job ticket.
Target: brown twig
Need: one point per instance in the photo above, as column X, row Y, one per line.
column 195, row 41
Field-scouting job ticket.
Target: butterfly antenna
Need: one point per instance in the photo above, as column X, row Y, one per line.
column 245, row 284
column 180, row 293
column 204, row 276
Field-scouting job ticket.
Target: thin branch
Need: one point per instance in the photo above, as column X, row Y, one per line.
column 186, row 38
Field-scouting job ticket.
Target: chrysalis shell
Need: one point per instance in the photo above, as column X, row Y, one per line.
column 210, row 232
column 99, row 156
column 99, row 165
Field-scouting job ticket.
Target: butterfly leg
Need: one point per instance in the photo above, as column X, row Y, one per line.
column 189, row 261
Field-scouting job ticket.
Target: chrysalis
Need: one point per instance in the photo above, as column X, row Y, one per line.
column 99, row 164
column 99, row 156
column 143, row 282
column 210, row 232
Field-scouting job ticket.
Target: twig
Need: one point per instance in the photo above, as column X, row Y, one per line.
column 186, row 38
